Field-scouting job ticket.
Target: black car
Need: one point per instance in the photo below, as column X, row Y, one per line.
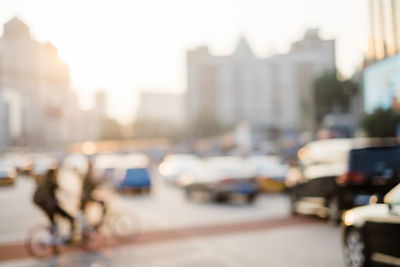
column 339, row 174
column 371, row 233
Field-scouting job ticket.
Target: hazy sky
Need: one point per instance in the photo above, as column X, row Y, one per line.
column 133, row 45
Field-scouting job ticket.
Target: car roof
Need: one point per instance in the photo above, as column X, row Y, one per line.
column 328, row 149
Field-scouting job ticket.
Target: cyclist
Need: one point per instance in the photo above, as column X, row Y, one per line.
column 88, row 187
column 45, row 198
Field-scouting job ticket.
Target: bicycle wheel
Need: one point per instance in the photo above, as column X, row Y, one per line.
column 40, row 242
column 124, row 227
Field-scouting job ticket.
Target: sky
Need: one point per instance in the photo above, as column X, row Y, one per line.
column 125, row 47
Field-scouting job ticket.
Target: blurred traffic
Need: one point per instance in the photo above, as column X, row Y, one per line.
column 200, row 133
column 327, row 178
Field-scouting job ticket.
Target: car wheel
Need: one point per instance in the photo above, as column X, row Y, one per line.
column 354, row 249
column 333, row 210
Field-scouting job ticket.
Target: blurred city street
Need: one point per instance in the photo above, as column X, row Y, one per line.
column 248, row 239
column 200, row 133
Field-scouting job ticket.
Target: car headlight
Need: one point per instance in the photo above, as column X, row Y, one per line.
column 166, row 169
column 348, row 218
column 185, row 179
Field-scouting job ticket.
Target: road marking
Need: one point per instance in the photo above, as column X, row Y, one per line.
column 14, row 251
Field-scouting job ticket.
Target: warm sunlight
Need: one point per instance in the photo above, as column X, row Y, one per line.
column 185, row 133
column 126, row 47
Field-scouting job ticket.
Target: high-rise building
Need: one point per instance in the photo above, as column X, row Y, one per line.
column 384, row 29
column 381, row 77
column 268, row 93
column 4, row 124
column 42, row 110
column 161, row 107
column 101, row 102
column 36, row 73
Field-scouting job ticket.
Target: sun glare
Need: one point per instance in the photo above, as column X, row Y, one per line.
column 125, row 47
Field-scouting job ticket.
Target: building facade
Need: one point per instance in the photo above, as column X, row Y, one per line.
column 161, row 107
column 267, row 93
column 384, row 29
column 43, row 111
column 4, row 124
column 381, row 75
column 34, row 71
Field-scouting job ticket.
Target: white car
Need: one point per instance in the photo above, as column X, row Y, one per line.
column 223, row 178
column 174, row 165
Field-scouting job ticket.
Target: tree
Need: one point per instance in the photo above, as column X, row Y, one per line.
column 381, row 123
column 332, row 94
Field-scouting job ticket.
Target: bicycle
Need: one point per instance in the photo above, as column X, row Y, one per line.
column 122, row 225
column 42, row 242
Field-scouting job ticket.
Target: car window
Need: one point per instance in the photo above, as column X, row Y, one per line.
column 136, row 173
column 375, row 160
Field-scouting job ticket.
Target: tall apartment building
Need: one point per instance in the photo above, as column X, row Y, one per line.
column 161, row 107
column 4, row 124
column 44, row 112
column 36, row 73
column 381, row 75
column 384, row 29
column 267, row 93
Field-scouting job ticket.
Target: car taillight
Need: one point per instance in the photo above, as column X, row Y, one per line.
column 351, row 178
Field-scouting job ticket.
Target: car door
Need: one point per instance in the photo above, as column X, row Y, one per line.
column 318, row 184
column 383, row 234
column 382, row 237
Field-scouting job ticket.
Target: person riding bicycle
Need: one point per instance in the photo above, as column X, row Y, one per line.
column 88, row 187
column 45, row 198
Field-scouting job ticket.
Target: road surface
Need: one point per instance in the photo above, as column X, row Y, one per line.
column 177, row 232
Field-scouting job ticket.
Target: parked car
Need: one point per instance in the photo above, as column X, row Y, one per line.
column 174, row 165
column 339, row 174
column 8, row 173
column 133, row 174
column 371, row 233
column 223, row 179
column 133, row 179
column 269, row 171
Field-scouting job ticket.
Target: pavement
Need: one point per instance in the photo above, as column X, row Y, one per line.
column 176, row 232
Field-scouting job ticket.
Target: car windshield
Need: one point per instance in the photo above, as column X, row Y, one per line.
column 137, row 173
column 375, row 160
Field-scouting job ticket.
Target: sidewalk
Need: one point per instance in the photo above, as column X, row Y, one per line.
column 290, row 243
